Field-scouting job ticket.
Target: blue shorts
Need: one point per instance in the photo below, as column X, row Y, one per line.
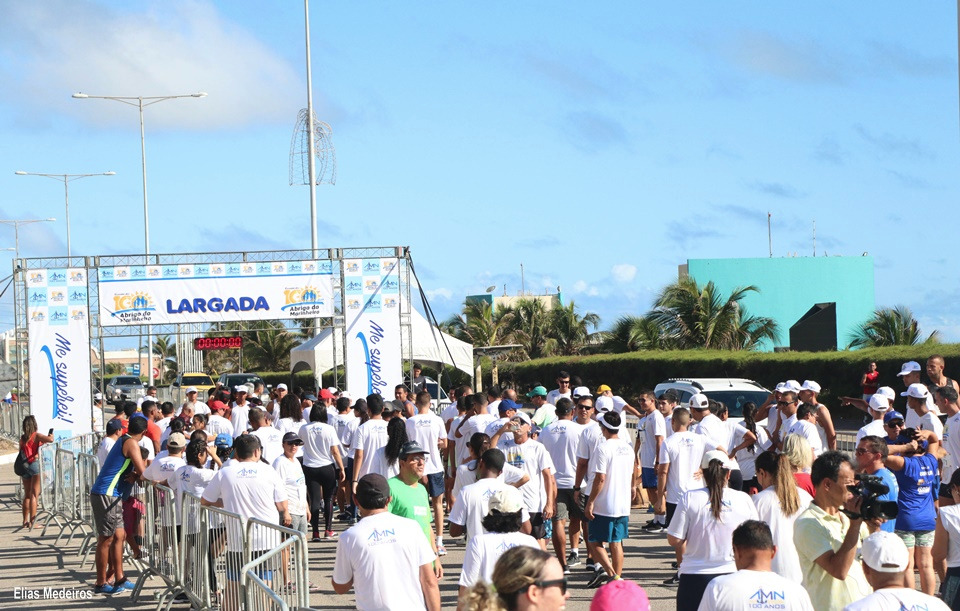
column 648, row 477
column 435, row 485
column 604, row 529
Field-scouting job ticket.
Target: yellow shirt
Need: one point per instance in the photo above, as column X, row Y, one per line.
column 814, row 533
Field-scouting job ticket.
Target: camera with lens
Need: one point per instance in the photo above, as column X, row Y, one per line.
column 868, row 488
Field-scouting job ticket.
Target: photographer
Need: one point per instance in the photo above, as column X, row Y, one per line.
column 916, row 469
column 827, row 540
column 871, row 452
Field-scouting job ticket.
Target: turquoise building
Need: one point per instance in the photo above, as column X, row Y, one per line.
column 793, row 287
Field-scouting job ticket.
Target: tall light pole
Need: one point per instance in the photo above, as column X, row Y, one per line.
column 65, row 179
column 16, row 230
column 141, row 102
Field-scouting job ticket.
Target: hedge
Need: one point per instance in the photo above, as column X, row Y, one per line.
column 838, row 373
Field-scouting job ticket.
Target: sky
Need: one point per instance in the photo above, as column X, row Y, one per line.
column 600, row 147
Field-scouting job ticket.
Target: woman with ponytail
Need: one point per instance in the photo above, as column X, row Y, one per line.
column 748, row 441
column 702, row 529
column 524, row 579
column 779, row 504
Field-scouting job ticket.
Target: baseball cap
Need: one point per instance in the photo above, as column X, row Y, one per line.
column 506, row 500
column 345, row 395
column 325, row 394
column 113, row 426
column 310, row 397
column 908, row 368
column 916, row 391
column 886, row 391
column 281, row 386
column 176, row 440
column 538, row 391
column 620, row 594
column 241, row 388
column 190, row 389
column 791, row 385
column 603, row 404
column 223, row 440
column 96, row 396
column 372, row 490
column 581, row 391
column 879, row 403
column 411, row 447
column 332, row 390
column 810, row 385
column 603, row 388
column 522, row 416
column 291, row 437
column 507, row 405
column 885, row 552
column 892, row 415
column 781, row 386
column 716, row 455
column 699, row 401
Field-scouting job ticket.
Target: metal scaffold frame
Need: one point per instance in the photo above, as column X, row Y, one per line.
column 98, row 333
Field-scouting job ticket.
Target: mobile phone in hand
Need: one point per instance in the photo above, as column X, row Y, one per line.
column 50, row 432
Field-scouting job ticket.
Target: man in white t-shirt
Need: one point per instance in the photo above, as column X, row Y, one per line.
column 885, row 558
column 707, row 423
column 114, row 431
column 528, row 455
column 251, row 489
column 590, row 438
column 475, row 420
column 910, row 374
column 917, row 397
column 217, row 424
column 666, row 404
column 271, row 440
column 608, row 508
column 507, row 409
column 786, row 417
column 199, row 407
column 680, row 457
column 563, row 388
column 427, row 429
column 806, row 427
column 562, row 439
column 163, row 467
column 878, row 408
column 651, row 432
column 385, row 555
column 151, row 395
column 240, row 411
column 472, row 503
column 754, row 585
column 947, row 401
column 370, row 437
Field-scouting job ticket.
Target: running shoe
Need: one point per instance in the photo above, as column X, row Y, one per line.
column 124, row 585
column 329, row 534
column 591, row 565
column 654, row 528
column 673, row 581
column 599, row 578
column 573, row 559
column 105, row 589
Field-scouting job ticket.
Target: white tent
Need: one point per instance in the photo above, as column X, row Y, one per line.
column 325, row 351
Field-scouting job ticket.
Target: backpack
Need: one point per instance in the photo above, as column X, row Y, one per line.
column 20, row 464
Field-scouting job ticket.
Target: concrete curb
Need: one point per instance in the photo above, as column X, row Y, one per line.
column 8, row 459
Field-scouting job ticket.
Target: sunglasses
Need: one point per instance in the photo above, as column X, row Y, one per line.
column 563, row 381
column 785, row 402
column 560, row 583
column 862, row 451
column 895, row 425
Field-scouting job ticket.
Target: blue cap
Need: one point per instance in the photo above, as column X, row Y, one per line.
column 507, row 405
column 892, row 415
column 138, row 415
column 224, row 440
column 114, row 425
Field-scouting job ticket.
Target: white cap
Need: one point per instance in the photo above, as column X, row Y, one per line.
column 281, row 386
column 879, row 403
column 699, row 401
column 603, row 422
column 345, row 395
column 241, row 388
column 810, row 385
column 191, row 389
column 96, row 396
column 522, row 416
column 582, row 391
column 781, row 386
column 886, row 391
column 916, row 391
column 333, row 390
column 603, row 404
column 506, row 500
column 792, row 385
column 716, row 455
column 885, row 552
column 909, row 367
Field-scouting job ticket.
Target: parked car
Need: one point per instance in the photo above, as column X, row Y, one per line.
column 732, row 392
column 131, row 386
column 250, row 380
column 175, row 393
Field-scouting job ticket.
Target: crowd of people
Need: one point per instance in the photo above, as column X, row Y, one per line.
column 763, row 510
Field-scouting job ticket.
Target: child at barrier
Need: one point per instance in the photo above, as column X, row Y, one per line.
column 133, row 509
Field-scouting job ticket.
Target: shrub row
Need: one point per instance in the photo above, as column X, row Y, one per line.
column 838, row 373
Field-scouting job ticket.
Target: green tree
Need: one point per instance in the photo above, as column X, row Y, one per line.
column 529, row 324
column 632, row 333
column 478, row 325
column 695, row 317
column 269, row 349
column 165, row 347
column 891, row 327
column 571, row 331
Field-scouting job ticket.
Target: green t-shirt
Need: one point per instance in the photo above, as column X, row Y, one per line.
column 411, row 502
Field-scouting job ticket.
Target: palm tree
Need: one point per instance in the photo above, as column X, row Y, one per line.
column 166, row 348
column 632, row 333
column 269, row 349
column 571, row 331
column 529, row 323
column 694, row 317
column 891, row 327
column 478, row 325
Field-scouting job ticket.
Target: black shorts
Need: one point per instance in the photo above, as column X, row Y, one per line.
column 538, row 529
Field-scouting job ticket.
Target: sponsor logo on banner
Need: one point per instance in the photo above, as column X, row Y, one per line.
column 38, row 316
column 170, row 271
column 133, row 307
column 78, row 277
column 154, row 271
column 390, row 302
column 36, row 278
column 302, row 301
column 352, row 267
column 353, row 303
column 138, row 272
column 56, row 277
column 58, row 296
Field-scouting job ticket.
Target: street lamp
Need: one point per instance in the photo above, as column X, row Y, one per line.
column 140, row 102
column 16, row 230
column 65, row 179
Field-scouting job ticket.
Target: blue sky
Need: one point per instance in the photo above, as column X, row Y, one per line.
column 600, row 147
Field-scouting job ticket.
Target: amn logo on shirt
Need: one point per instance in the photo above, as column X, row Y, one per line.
column 380, row 536
column 763, row 598
column 247, row 473
column 505, row 546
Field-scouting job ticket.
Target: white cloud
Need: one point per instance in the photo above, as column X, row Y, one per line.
column 623, row 272
column 441, row 293
column 50, row 50
column 582, row 288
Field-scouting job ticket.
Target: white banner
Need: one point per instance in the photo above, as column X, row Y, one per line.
column 58, row 335
column 215, row 292
column 371, row 296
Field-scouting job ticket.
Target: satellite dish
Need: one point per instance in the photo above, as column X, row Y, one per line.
column 491, row 288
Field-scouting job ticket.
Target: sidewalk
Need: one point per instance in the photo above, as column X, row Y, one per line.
column 29, row 561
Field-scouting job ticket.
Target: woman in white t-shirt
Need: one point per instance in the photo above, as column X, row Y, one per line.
column 389, row 455
column 778, row 504
column 748, row 441
column 946, row 545
column 322, row 468
column 291, row 472
column 193, row 478
column 291, row 419
column 704, row 522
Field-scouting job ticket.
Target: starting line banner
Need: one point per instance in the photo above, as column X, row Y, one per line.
column 215, row 292
column 371, row 297
column 58, row 343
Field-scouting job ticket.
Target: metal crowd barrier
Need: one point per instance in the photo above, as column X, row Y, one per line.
column 48, row 479
column 275, row 554
column 87, row 469
column 160, row 550
column 11, row 419
column 847, row 442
